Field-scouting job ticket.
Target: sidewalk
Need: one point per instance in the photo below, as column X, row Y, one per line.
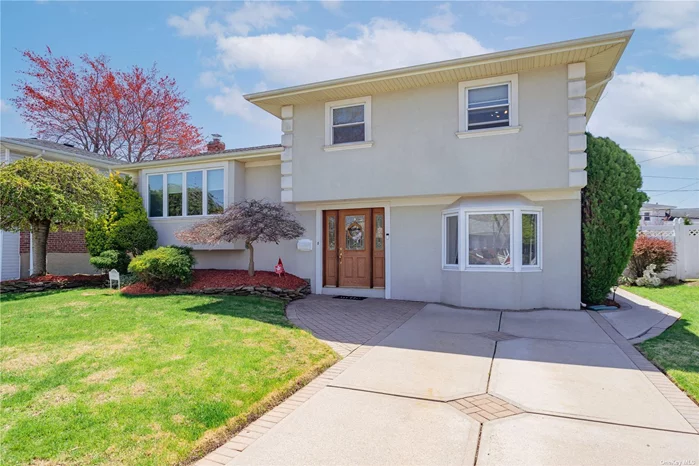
column 639, row 319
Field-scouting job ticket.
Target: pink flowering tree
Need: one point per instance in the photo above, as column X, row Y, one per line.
column 252, row 221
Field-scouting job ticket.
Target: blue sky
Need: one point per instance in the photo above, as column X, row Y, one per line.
column 219, row 51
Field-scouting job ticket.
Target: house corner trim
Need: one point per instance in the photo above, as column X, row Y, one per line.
column 287, row 113
column 577, row 121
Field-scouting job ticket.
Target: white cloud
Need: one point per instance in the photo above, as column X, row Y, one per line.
column 442, row 21
column 230, row 101
column 251, row 16
column 680, row 19
column 4, row 106
column 502, row 14
column 382, row 44
column 331, row 5
column 651, row 111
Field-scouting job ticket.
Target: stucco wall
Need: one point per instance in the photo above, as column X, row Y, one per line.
column 263, row 183
column 416, row 152
column 61, row 263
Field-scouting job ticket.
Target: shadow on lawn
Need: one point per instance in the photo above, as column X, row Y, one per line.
column 6, row 298
column 267, row 310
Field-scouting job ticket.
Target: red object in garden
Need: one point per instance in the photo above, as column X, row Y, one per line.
column 279, row 268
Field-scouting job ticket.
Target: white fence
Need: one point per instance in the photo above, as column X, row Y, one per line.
column 686, row 241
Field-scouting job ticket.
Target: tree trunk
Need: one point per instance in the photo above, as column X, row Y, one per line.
column 251, row 264
column 40, row 237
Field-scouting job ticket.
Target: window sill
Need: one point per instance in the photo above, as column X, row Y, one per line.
column 489, row 269
column 181, row 218
column 475, row 133
column 349, row 145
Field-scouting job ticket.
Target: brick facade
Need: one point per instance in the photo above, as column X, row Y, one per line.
column 59, row 242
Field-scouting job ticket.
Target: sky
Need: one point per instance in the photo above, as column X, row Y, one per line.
column 219, row 51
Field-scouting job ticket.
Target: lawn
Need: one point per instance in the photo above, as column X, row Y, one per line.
column 676, row 350
column 94, row 377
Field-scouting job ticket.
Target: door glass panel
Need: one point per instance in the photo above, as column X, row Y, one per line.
column 331, row 233
column 378, row 234
column 354, row 232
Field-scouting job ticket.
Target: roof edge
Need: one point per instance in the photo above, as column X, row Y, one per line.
column 27, row 145
column 243, row 154
column 603, row 39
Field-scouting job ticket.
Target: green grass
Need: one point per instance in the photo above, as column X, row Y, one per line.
column 676, row 350
column 94, row 377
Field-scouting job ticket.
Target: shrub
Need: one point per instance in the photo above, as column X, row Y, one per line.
column 111, row 259
column 651, row 251
column 125, row 225
column 132, row 233
column 187, row 251
column 164, row 267
column 610, row 205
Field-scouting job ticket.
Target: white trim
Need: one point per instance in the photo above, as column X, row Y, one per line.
column 467, row 265
column 349, row 145
column 512, row 81
column 329, row 106
column 539, row 241
column 445, row 216
column 318, row 288
column 201, row 159
column 31, row 254
column 477, row 133
column 397, row 202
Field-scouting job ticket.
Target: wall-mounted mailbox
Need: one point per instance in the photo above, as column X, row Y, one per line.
column 304, row 245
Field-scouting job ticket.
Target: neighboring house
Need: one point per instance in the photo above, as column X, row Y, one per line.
column 656, row 214
column 66, row 251
column 457, row 182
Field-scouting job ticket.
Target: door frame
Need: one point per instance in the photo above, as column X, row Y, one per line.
column 317, row 286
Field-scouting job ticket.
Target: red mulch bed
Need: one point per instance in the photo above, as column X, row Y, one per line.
column 209, row 278
column 48, row 278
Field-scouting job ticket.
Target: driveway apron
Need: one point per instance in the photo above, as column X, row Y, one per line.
column 463, row 387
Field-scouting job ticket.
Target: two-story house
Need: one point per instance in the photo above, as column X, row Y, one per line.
column 456, row 182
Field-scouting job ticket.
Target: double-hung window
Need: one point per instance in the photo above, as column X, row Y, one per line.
column 488, row 106
column 348, row 123
column 186, row 194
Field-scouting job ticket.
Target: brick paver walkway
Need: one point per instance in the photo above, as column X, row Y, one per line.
column 345, row 324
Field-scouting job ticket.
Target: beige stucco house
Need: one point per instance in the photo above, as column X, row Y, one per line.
column 457, row 182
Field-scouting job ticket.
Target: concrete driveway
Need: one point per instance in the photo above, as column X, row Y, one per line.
column 441, row 386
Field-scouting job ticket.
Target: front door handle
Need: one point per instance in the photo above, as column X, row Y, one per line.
column 340, row 255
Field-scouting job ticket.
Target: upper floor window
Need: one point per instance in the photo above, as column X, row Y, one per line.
column 348, row 123
column 186, row 194
column 488, row 106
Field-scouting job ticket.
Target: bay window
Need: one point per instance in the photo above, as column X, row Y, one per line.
column 186, row 193
column 503, row 239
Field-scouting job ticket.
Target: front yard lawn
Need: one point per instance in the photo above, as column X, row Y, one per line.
column 677, row 349
column 94, row 377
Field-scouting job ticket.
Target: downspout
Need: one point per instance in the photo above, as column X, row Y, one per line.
column 601, row 83
column 31, row 254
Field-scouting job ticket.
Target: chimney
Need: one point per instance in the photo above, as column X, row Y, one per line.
column 215, row 145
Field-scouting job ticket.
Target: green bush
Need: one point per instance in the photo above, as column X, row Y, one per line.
column 610, row 205
column 125, row 225
column 133, row 233
column 187, row 251
column 111, row 259
column 165, row 267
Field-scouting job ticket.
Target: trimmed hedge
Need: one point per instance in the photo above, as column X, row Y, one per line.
column 165, row 267
column 111, row 259
column 611, row 202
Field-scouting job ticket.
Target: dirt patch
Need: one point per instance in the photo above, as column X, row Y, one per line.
column 54, row 397
column 102, row 376
column 139, row 389
column 25, row 361
column 8, row 389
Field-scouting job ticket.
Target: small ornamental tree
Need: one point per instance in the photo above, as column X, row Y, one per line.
column 38, row 195
column 610, row 205
column 251, row 221
column 646, row 251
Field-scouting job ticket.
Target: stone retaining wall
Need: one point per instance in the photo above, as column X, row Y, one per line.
column 22, row 286
column 258, row 290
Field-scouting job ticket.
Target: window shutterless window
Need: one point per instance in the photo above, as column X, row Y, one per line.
column 451, row 241
column 190, row 193
column 530, row 239
column 488, row 104
column 348, row 123
column 489, row 239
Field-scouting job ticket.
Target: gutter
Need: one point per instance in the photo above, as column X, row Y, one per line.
column 601, row 83
column 242, row 155
column 42, row 151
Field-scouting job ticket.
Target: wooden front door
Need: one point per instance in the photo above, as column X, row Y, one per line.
column 354, row 248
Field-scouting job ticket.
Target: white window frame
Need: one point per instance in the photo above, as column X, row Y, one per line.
column 205, row 204
column 330, row 106
column 515, row 238
column 445, row 215
column 512, row 82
